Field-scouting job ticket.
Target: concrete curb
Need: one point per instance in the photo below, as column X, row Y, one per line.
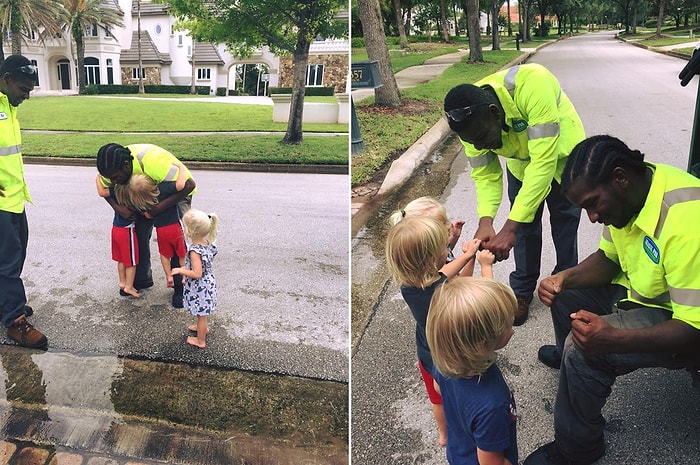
column 212, row 166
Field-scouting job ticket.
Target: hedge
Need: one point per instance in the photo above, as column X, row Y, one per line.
column 309, row 91
column 104, row 89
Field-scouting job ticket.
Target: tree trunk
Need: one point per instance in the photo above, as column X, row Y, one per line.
column 403, row 40
column 193, row 83
column 294, row 133
column 474, row 31
column 388, row 94
column 443, row 22
column 15, row 29
column 495, row 39
column 660, row 18
column 78, row 35
column 138, row 6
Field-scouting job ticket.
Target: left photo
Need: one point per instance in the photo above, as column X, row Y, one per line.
column 174, row 232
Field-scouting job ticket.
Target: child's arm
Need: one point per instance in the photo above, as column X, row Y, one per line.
column 180, row 181
column 455, row 232
column 196, row 271
column 486, row 260
column 102, row 191
column 453, row 268
column 491, row 458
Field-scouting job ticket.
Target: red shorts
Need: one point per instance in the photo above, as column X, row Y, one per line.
column 433, row 395
column 171, row 241
column 125, row 246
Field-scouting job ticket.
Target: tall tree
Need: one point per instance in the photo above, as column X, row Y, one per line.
column 285, row 26
column 81, row 15
column 388, row 94
column 398, row 14
column 476, row 54
column 495, row 27
column 29, row 19
column 445, row 28
column 660, row 18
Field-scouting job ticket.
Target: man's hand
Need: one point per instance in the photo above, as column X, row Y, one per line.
column 501, row 243
column 591, row 334
column 125, row 212
column 485, row 231
column 550, row 288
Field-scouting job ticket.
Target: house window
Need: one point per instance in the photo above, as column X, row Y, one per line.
column 204, row 74
column 135, row 73
column 189, row 50
column 108, row 33
column 110, row 71
column 179, row 40
column 91, row 30
column 35, row 63
column 314, row 75
column 172, row 29
column 92, row 70
column 158, row 29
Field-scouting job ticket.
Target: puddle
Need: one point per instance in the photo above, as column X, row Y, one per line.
column 172, row 412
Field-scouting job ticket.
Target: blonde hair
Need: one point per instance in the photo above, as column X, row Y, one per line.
column 141, row 192
column 199, row 225
column 414, row 250
column 467, row 319
column 422, row 206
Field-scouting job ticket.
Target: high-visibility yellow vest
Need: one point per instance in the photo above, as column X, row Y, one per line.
column 153, row 161
column 543, row 130
column 659, row 250
column 14, row 187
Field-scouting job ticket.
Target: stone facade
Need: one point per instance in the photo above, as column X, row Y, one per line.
column 152, row 75
column 335, row 70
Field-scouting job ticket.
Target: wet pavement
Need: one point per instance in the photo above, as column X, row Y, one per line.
column 120, row 385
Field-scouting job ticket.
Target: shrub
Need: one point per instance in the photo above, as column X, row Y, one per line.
column 357, row 42
column 221, row 91
column 309, row 91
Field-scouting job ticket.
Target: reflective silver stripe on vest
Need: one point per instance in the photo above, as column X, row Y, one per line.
column 172, row 174
column 140, row 155
column 662, row 300
column 509, row 80
column 684, row 194
column 606, row 234
column 481, row 160
column 11, row 150
column 542, row 131
column 688, row 297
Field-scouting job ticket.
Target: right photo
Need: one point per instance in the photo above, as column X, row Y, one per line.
column 524, row 192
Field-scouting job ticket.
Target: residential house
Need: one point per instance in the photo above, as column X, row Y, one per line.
column 112, row 56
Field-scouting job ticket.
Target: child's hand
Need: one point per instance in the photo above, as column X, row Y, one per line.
column 486, row 258
column 470, row 248
column 456, row 228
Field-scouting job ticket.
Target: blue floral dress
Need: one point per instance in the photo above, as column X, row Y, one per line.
column 199, row 295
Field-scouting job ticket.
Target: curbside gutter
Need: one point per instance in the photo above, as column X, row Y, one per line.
column 211, row 166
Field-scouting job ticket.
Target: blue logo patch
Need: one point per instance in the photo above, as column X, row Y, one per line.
column 651, row 250
column 519, row 125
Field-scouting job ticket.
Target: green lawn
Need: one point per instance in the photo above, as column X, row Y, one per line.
column 385, row 136
column 143, row 115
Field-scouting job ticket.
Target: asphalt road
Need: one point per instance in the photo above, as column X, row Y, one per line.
column 652, row 414
column 282, row 273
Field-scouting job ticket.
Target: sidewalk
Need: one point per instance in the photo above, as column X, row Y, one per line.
column 402, row 168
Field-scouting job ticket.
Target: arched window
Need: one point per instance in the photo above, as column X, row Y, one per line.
column 92, row 70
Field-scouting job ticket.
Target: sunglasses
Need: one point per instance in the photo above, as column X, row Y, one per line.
column 27, row 69
column 460, row 114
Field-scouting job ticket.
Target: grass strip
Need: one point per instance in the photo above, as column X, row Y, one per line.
column 387, row 137
column 318, row 150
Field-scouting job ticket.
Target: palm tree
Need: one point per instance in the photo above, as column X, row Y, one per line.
column 29, row 19
column 83, row 14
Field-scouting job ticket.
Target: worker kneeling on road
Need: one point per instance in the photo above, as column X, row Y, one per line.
column 640, row 291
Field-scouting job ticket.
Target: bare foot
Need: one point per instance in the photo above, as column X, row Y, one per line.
column 170, row 282
column 193, row 341
column 193, row 328
column 132, row 291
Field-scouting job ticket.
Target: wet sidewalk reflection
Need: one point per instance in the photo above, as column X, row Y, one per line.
column 168, row 412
